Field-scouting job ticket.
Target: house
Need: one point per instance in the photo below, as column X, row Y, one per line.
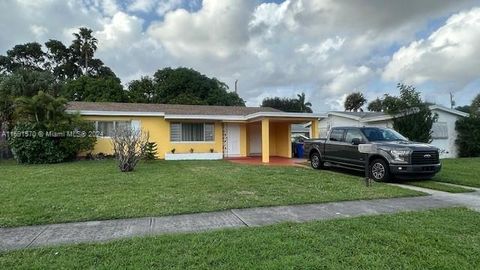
column 198, row 132
column 443, row 131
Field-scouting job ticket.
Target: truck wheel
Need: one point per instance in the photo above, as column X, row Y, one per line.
column 379, row 170
column 316, row 161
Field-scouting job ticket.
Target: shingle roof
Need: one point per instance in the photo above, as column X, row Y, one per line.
column 166, row 108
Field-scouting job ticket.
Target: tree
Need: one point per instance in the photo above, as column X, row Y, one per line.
column 41, row 108
column 465, row 108
column 182, row 86
column 45, row 133
column 475, row 106
column 468, row 128
column 129, row 146
column 143, row 91
column 354, row 102
column 103, row 89
column 304, row 106
column 376, row 105
column 63, row 62
column 412, row 116
column 26, row 56
column 22, row 83
column 151, row 151
column 84, row 45
column 288, row 104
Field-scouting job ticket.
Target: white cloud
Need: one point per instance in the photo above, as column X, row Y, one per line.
column 217, row 30
column 142, row 5
column 120, row 30
column 326, row 48
column 449, row 55
column 168, row 5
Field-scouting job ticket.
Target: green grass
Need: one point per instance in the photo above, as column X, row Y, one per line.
column 438, row 186
column 96, row 190
column 436, row 239
column 461, row 171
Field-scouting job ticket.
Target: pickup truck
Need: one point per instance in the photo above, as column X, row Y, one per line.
column 394, row 155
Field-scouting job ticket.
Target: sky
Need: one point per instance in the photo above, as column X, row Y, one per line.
column 325, row 48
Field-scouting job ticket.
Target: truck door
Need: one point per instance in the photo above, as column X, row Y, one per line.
column 350, row 151
column 334, row 145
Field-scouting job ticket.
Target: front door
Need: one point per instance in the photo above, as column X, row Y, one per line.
column 233, row 140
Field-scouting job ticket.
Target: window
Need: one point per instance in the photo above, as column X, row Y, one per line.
column 440, row 130
column 353, row 134
column 336, row 135
column 107, row 128
column 192, row 132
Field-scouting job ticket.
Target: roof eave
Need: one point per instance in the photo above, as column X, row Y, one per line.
column 114, row 113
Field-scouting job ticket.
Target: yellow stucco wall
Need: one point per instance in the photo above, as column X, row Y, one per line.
column 159, row 132
column 280, row 144
column 277, row 142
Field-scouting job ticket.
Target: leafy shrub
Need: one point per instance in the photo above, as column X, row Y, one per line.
column 31, row 144
column 151, row 151
column 468, row 139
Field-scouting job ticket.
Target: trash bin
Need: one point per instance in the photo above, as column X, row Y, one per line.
column 299, row 150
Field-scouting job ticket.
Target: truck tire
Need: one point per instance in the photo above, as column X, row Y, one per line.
column 379, row 170
column 316, row 161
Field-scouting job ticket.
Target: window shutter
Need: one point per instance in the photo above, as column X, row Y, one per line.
column 175, row 132
column 209, row 132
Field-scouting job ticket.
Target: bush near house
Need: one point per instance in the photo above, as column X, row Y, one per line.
column 45, row 133
column 468, row 128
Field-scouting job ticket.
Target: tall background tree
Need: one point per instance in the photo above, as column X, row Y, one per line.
column 298, row 104
column 64, row 62
column 354, row 102
column 84, row 45
column 182, row 86
column 412, row 116
column 102, row 89
column 304, row 105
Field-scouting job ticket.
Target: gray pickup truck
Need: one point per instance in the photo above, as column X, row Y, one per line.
column 395, row 155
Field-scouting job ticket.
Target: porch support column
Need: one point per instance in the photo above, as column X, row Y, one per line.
column 265, row 140
column 314, row 129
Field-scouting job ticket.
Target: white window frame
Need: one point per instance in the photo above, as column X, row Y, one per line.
column 114, row 126
column 445, row 125
column 193, row 142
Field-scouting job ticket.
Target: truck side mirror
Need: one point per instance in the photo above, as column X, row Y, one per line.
column 356, row 141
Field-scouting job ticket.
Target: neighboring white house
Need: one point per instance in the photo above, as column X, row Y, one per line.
column 443, row 131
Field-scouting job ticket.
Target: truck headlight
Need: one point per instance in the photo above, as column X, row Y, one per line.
column 400, row 155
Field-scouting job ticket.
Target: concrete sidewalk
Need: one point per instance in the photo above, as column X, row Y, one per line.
column 98, row 231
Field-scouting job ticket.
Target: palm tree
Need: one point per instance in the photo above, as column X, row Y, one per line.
column 304, row 106
column 354, row 102
column 85, row 45
column 41, row 108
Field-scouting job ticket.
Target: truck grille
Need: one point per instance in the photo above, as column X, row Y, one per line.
column 425, row 157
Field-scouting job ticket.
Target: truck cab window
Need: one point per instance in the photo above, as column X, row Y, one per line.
column 336, row 135
column 353, row 133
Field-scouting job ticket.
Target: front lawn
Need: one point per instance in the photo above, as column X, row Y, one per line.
column 95, row 190
column 435, row 239
column 461, row 171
